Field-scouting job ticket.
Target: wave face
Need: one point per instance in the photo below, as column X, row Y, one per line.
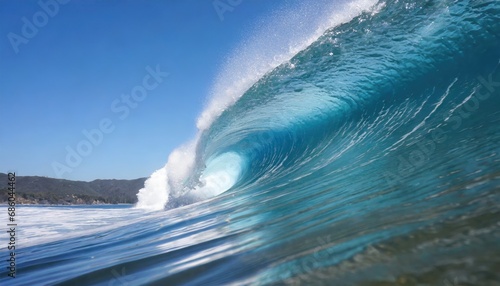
column 370, row 157
column 382, row 133
column 392, row 75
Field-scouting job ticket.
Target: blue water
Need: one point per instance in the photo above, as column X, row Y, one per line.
column 371, row 157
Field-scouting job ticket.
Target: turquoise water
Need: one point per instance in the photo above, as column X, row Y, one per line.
column 371, row 157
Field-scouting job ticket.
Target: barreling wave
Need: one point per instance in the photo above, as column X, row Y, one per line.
column 369, row 157
column 265, row 50
column 379, row 72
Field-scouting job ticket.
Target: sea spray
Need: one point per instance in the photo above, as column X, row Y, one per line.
column 154, row 195
column 265, row 50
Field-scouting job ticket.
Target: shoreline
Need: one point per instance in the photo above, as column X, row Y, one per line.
column 63, row 205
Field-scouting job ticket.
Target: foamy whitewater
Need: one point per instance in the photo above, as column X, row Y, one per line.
column 354, row 143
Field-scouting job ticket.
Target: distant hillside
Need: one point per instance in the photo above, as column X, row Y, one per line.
column 43, row 190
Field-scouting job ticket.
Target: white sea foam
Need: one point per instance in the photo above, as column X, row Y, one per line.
column 275, row 41
column 154, row 195
column 37, row 225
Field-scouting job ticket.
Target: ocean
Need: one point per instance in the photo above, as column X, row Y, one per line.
column 369, row 157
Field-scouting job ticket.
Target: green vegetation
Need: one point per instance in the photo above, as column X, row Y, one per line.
column 43, row 190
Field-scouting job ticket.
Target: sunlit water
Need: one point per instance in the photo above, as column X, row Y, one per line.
column 371, row 157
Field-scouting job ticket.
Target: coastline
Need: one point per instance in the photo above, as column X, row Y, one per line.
column 4, row 204
column 36, row 190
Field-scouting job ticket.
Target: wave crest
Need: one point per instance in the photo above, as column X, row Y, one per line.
column 282, row 36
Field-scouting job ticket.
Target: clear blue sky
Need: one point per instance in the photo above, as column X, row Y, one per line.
column 68, row 73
